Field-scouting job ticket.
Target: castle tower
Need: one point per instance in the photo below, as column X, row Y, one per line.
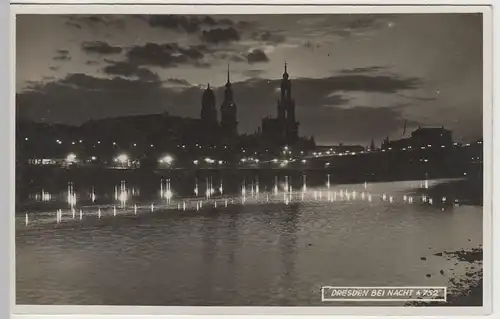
column 286, row 109
column 229, row 121
column 208, row 109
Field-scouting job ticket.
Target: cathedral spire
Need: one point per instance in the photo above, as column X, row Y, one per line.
column 285, row 74
column 228, row 80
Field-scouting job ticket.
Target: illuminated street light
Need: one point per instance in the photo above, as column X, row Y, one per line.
column 122, row 158
column 167, row 159
column 195, row 162
column 70, row 158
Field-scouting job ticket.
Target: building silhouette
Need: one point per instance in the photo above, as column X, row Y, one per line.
column 284, row 129
column 208, row 108
column 229, row 123
column 422, row 137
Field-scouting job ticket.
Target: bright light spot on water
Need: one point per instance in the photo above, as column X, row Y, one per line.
column 123, row 197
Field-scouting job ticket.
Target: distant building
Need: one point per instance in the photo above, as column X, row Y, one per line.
column 284, row 129
column 432, row 136
column 229, row 123
column 422, row 137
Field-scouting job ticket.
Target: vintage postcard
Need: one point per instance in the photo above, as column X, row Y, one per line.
column 252, row 156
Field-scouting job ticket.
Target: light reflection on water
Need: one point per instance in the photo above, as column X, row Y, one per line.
column 272, row 248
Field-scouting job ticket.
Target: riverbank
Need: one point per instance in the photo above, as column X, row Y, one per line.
column 465, row 290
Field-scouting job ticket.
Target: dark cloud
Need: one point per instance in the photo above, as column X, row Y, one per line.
column 253, row 73
column 322, row 109
column 96, row 20
column 230, row 56
column 90, row 97
column 176, row 81
column 91, row 62
column 100, row 47
column 63, row 55
column 220, row 35
column 269, row 37
column 363, row 69
column 54, row 68
column 166, row 55
column 73, row 24
column 417, row 98
column 349, row 25
column 130, row 70
column 360, row 82
column 62, row 58
column 257, row 56
column 226, row 22
column 189, row 24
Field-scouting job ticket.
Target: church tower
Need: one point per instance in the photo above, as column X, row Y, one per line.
column 286, row 109
column 208, row 109
column 229, row 121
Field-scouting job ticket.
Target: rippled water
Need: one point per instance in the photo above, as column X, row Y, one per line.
column 265, row 249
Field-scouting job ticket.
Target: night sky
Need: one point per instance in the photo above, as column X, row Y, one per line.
column 354, row 77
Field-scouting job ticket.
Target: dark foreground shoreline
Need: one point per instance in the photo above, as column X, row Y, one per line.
column 465, row 291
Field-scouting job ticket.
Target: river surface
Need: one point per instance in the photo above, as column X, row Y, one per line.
column 255, row 247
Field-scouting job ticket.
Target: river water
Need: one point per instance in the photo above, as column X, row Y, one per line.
column 258, row 247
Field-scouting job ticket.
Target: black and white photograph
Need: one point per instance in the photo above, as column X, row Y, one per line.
column 211, row 159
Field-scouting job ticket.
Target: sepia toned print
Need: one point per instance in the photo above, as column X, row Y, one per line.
column 249, row 160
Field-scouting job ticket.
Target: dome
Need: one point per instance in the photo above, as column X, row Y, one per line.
column 285, row 74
